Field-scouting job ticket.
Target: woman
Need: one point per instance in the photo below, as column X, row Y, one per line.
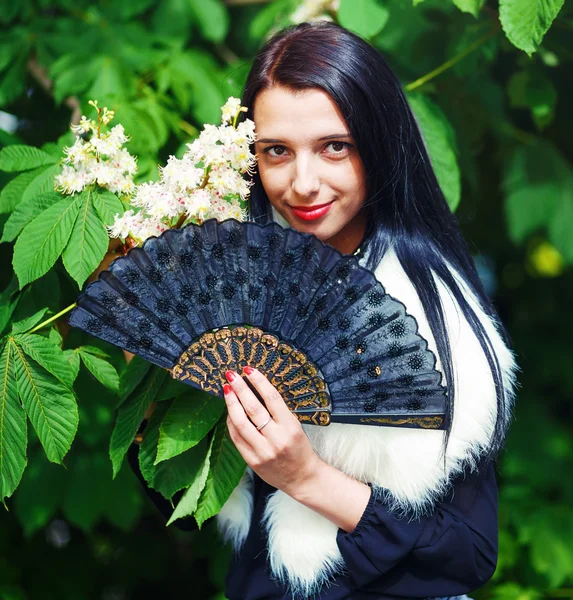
column 348, row 511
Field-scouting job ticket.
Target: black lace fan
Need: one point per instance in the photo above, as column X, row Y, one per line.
column 205, row 299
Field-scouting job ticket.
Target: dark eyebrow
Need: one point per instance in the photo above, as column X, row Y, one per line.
column 335, row 136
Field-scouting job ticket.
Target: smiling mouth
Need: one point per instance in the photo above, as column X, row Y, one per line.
column 311, row 208
column 311, row 213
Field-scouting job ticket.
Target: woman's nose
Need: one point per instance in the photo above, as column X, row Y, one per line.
column 306, row 181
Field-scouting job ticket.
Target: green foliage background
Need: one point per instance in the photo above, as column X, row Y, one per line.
column 491, row 85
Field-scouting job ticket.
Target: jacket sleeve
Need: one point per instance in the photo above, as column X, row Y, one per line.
column 453, row 550
column 161, row 503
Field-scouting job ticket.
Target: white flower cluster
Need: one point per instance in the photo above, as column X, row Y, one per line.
column 315, row 10
column 98, row 160
column 206, row 182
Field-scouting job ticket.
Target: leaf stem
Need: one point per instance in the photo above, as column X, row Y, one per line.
column 452, row 61
column 48, row 321
column 187, row 128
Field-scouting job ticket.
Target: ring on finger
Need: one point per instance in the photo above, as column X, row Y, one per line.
column 264, row 424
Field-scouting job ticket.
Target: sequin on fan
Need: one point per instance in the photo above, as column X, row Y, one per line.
column 254, row 252
column 186, row 292
column 163, row 257
column 395, row 349
column 163, row 305
column 342, row 342
column 376, row 320
column 241, row 278
column 415, row 404
column 288, row 260
column 131, row 276
column 356, row 364
column 234, row 238
column 254, row 293
column 351, row 294
column 415, row 362
column 217, row 251
column 397, row 329
column 376, row 298
column 186, row 259
column 107, row 299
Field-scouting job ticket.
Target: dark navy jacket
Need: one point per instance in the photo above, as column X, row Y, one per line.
column 450, row 552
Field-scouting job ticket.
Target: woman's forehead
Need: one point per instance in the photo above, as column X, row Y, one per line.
column 280, row 113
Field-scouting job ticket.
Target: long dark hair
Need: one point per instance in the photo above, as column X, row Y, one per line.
column 405, row 206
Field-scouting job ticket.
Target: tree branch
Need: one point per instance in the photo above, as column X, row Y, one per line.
column 40, row 74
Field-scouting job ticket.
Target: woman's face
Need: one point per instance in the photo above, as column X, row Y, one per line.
column 306, row 159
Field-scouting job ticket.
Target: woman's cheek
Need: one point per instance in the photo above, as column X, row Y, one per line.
column 275, row 184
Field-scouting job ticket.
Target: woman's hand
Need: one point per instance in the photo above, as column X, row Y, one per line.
column 269, row 437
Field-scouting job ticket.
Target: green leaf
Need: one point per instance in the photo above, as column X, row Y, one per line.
column 124, row 506
column 212, row 17
column 48, row 355
column 42, row 183
column 113, row 80
column 13, row 192
column 107, row 205
column 55, row 336
column 538, row 185
column 13, row 80
column 196, row 71
column 525, row 22
column 273, row 14
column 172, row 19
column 173, row 475
column 88, row 242
column 560, row 222
column 364, row 17
column 32, row 509
column 13, row 430
column 23, row 158
column 171, row 389
column 95, row 351
column 440, row 141
column 514, row 591
column 43, row 240
column 470, row 6
column 226, row 469
column 549, row 533
column 131, row 414
column 190, row 417
column 101, row 369
column 73, row 358
column 187, row 505
column 132, row 376
column 51, row 407
column 25, row 212
column 531, row 89
column 9, row 299
column 89, row 488
column 72, row 75
column 29, row 322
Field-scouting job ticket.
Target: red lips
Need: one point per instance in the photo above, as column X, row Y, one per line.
column 311, row 213
column 309, row 208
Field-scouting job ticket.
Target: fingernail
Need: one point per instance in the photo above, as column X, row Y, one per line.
column 227, row 389
column 230, row 375
column 248, row 370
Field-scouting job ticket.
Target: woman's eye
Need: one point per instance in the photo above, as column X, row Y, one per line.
column 339, row 147
column 275, row 150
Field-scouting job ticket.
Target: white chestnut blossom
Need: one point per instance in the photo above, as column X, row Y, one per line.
column 100, row 160
column 206, row 182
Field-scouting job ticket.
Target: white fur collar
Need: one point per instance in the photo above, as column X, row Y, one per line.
column 302, row 546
